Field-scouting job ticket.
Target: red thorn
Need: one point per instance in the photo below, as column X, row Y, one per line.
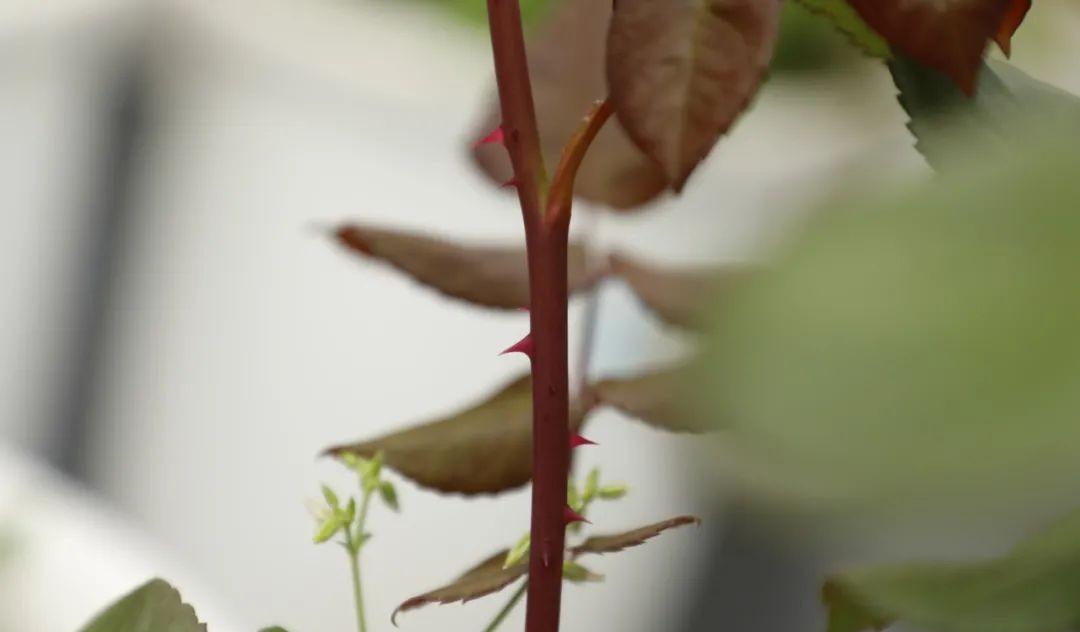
column 512, row 182
column 525, row 345
column 570, row 516
column 496, row 136
column 576, row 441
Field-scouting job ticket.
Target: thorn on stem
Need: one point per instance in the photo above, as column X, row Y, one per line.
column 570, row 516
column 511, row 183
column 525, row 346
column 576, row 441
column 496, row 136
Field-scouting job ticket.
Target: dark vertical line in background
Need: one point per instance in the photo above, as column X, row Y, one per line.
column 109, row 212
column 755, row 584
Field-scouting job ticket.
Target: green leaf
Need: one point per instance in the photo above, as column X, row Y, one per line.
column 389, row 495
column 518, row 553
column 1033, row 589
column 680, row 73
column 153, row 607
column 485, row 578
column 913, row 351
column 578, row 574
column 848, row 22
column 612, row 492
column 617, row 542
column 350, row 511
column 329, row 528
column 490, row 276
column 573, row 498
column 592, row 484
column 486, row 448
column 950, row 127
column 330, row 496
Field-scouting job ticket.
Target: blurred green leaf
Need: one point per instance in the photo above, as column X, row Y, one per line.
column 592, row 484
column 848, row 22
column 519, row 551
column 328, row 528
column 576, row 573
column 573, row 498
column 330, row 496
column 950, row 127
column 914, row 350
column 1033, row 589
column 153, row 607
column 612, row 492
column 389, row 495
column 486, row 448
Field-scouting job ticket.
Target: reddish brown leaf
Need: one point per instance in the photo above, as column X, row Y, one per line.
column 566, row 60
column 489, row 276
column 1014, row 17
column 485, row 578
column 676, row 296
column 655, row 398
column 681, row 72
column 612, row 543
column 948, row 35
column 484, row 449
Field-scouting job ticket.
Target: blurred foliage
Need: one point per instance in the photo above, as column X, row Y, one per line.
column 844, row 18
column 914, row 349
column 809, row 44
column 806, row 44
column 1032, row 589
column 950, row 127
column 153, row 607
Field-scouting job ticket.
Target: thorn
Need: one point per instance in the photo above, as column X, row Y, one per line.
column 525, row 345
column 512, row 182
column 496, row 136
column 570, row 516
column 545, row 557
column 576, row 441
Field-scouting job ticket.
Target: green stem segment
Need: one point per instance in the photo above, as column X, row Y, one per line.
column 355, row 543
column 508, row 608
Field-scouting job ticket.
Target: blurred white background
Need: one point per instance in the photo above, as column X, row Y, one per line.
column 237, row 341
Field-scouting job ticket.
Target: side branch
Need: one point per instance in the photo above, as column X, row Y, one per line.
column 561, row 195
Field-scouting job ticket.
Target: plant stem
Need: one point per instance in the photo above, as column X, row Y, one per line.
column 508, row 608
column 546, row 244
column 355, row 543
